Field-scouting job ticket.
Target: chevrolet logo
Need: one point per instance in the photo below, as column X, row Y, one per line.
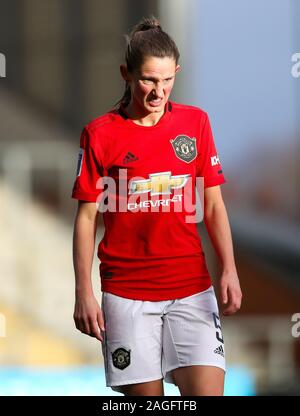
column 159, row 183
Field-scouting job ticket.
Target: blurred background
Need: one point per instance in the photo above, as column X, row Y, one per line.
column 60, row 69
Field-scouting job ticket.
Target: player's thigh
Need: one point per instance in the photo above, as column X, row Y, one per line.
column 193, row 342
column 199, row 380
column 150, row 388
column 133, row 343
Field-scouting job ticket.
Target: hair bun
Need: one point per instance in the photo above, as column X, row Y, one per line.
column 148, row 23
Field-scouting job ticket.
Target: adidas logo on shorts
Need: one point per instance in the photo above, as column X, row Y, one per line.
column 219, row 350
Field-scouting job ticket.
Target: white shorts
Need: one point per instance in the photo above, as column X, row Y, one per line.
column 146, row 340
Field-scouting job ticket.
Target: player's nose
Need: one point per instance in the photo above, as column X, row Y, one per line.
column 159, row 91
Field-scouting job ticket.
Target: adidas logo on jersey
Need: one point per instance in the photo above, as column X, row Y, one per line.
column 129, row 158
column 219, row 350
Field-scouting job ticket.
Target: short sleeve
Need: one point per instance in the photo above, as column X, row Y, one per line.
column 89, row 170
column 208, row 161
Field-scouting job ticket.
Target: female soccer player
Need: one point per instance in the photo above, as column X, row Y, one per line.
column 159, row 317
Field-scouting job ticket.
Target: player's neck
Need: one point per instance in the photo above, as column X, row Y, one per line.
column 141, row 117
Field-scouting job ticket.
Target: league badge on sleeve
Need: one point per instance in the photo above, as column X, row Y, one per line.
column 79, row 163
column 185, row 147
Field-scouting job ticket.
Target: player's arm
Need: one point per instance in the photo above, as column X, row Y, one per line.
column 84, row 235
column 218, row 227
column 87, row 314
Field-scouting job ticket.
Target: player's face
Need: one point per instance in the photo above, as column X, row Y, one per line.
column 151, row 85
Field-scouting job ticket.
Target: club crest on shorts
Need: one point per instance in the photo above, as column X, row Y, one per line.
column 185, row 147
column 121, row 358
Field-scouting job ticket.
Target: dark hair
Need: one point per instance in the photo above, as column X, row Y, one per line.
column 145, row 40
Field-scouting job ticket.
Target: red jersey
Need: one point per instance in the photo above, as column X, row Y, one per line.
column 149, row 251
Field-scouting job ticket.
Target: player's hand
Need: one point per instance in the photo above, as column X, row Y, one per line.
column 230, row 293
column 88, row 316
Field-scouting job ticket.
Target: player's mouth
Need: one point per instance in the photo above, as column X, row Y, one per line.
column 155, row 102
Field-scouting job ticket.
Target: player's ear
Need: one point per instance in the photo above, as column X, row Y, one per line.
column 177, row 69
column 124, row 72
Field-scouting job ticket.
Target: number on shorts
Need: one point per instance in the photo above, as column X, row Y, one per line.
column 218, row 333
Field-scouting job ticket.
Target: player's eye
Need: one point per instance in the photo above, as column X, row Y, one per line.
column 147, row 81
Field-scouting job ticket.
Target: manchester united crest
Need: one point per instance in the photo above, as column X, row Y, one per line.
column 185, row 147
column 121, row 358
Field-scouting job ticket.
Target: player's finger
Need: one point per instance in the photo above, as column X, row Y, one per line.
column 227, row 310
column 84, row 325
column 100, row 319
column 233, row 303
column 95, row 331
column 224, row 297
column 101, row 324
